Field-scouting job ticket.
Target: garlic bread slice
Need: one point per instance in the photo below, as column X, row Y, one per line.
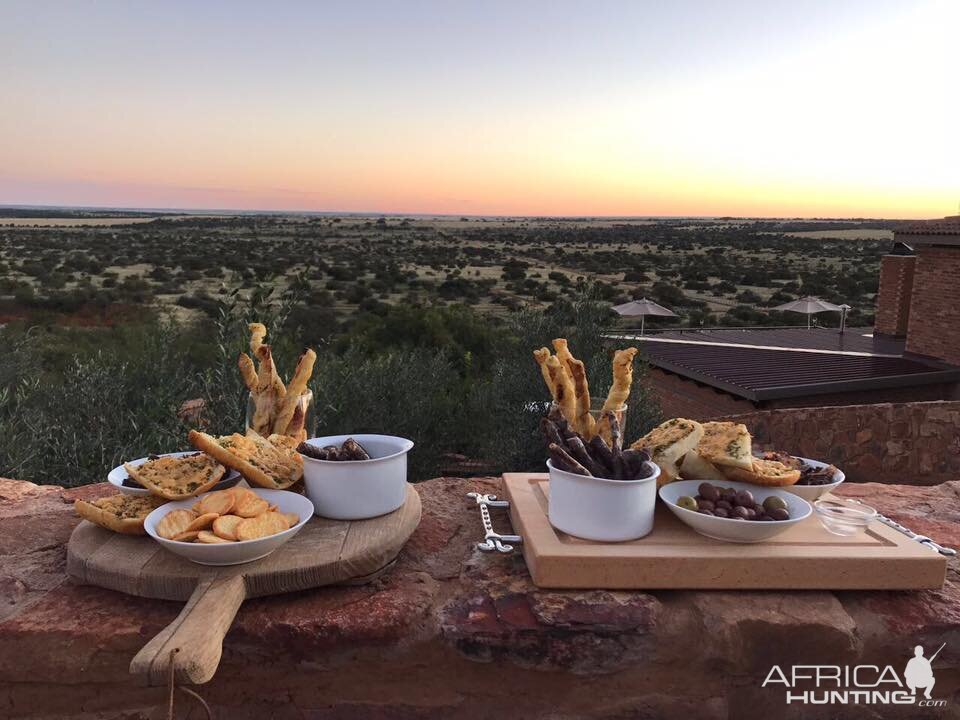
column 275, row 465
column 727, row 444
column 177, row 478
column 667, row 443
column 120, row 513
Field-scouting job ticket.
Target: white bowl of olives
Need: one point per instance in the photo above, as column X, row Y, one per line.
column 734, row 511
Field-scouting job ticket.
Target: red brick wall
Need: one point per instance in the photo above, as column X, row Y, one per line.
column 893, row 299
column 680, row 397
column 934, row 328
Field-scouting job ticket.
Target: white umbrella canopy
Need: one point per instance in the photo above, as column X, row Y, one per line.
column 642, row 307
column 809, row 305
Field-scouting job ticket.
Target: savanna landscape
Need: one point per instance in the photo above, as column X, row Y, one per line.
column 424, row 325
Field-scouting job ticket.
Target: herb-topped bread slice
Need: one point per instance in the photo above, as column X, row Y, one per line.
column 120, row 513
column 770, row 473
column 667, row 443
column 727, row 444
column 267, row 462
column 176, row 478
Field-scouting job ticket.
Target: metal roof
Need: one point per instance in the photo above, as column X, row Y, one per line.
column 768, row 364
column 947, row 226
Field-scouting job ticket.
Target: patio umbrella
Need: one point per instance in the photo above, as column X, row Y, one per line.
column 808, row 306
column 642, row 307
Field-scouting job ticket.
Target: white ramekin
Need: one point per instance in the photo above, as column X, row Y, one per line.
column 358, row 489
column 599, row 509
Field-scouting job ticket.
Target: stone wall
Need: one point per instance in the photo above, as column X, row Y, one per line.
column 911, row 443
column 450, row 632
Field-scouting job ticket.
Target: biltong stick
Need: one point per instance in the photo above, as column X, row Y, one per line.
column 601, row 453
column 550, row 432
column 561, row 458
column 578, row 450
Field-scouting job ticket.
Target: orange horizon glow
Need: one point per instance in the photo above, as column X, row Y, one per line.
column 620, row 111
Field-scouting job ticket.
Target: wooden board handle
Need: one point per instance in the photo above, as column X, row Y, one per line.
column 194, row 641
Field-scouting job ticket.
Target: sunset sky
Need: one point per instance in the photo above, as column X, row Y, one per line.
column 838, row 108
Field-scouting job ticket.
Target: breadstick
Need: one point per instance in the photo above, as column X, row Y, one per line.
column 563, row 389
column 298, row 384
column 583, row 423
column 247, row 371
column 270, row 392
column 258, row 331
column 541, row 356
column 563, row 351
column 622, row 379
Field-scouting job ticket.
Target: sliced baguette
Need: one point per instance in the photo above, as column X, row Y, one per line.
column 726, row 444
column 695, row 467
column 667, row 443
column 260, row 461
column 120, row 513
column 176, row 478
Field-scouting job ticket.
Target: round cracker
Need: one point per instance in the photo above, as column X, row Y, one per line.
column 225, row 526
column 174, row 523
column 203, row 522
column 186, row 536
column 292, row 518
column 209, row 538
column 250, row 505
column 220, row 502
column 264, row 525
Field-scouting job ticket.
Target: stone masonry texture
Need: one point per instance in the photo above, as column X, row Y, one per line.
column 450, row 632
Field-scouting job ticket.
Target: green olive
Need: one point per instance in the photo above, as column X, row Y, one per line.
column 774, row 502
column 687, row 503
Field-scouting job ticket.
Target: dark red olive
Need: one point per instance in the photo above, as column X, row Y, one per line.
column 709, row 492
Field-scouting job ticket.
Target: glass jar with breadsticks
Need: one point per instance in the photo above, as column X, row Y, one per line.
column 272, row 407
column 566, row 378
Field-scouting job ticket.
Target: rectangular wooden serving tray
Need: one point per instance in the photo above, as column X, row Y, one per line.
column 673, row 556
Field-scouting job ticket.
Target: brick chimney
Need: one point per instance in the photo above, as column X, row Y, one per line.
column 933, row 326
column 893, row 297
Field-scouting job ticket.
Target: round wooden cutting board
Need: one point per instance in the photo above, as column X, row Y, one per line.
column 324, row 552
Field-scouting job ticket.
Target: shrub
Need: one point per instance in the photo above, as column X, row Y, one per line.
column 75, row 403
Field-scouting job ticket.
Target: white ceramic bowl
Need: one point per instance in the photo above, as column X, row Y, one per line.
column 119, row 474
column 599, row 509
column 812, row 492
column 741, row 531
column 358, row 489
column 239, row 552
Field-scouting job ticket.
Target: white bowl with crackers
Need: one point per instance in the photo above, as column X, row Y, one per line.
column 345, row 488
column 121, row 479
column 229, row 527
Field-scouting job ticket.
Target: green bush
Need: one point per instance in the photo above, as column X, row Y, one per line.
column 75, row 403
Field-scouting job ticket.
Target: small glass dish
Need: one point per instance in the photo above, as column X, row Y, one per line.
column 844, row 517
